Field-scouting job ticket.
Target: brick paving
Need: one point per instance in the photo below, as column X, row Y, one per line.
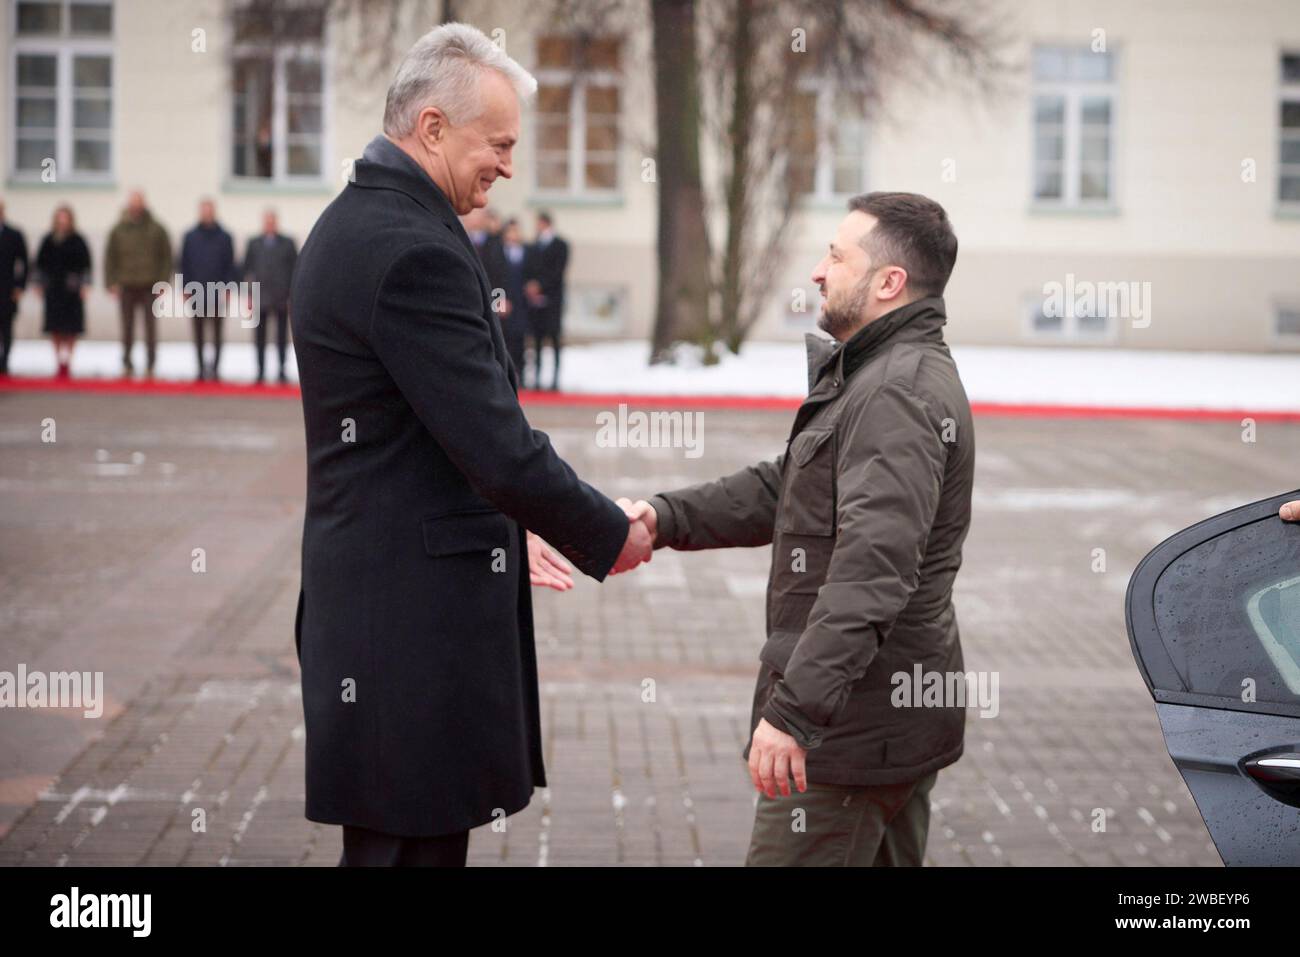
column 203, row 719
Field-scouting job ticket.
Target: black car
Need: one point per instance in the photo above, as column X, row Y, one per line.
column 1214, row 621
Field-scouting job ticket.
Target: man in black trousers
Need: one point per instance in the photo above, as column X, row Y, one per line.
column 548, row 258
column 13, row 280
column 414, row 626
column 269, row 262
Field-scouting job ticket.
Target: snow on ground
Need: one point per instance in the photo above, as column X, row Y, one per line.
column 1021, row 375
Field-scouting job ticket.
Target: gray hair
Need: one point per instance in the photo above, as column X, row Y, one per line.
column 444, row 69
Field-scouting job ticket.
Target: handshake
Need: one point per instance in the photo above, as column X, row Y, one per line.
column 643, row 527
column 547, row 569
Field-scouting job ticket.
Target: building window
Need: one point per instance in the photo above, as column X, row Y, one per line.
column 579, row 95
column 1288, row 177
column 1045, row 321
column 828, row 145
column 1074, row 127
column 278, row 102
column 63, row 90
column 596, row 309
column 1286, row 322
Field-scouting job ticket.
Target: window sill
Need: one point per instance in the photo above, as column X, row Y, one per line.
column 1286, row 212
column 540, row 200
column 273, row 187
column 22, row 182
column 825, row 204
column 1056, row 209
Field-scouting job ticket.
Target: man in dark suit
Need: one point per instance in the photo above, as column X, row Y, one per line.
column 269, row 262
column 13, row 280
column 547, row 260
column 414, row 627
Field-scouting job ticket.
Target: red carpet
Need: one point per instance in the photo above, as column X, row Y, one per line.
column 609, row 401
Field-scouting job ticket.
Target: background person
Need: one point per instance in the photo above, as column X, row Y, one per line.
column 269, row 262
column 13, row 280
column 547, row 260
column 63, row 273
column 138, row 255
column 208, row 257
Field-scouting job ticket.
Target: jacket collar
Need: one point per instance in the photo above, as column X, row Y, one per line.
column 385, row 165
column 922, row 319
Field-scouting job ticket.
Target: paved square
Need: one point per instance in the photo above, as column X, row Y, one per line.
column 203, row 724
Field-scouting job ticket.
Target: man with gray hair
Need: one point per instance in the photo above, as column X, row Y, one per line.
column 414, row 626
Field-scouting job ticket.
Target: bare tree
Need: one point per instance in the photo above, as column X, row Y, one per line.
column 762, row 62
column 685, row 283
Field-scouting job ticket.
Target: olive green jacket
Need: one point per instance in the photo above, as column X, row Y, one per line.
column 138, row 253
column 866, row 512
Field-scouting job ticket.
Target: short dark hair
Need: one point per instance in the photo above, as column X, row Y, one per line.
column 911, row 231
column 545, row 216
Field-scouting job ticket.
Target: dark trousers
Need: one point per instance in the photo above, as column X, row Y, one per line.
column 7, row 311
column 132, row 299
column 540, row 338
column 281, row 316
column 366, row 848
column 882, row 825
column 200, row 324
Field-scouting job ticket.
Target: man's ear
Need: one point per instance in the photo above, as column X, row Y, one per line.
column 894, row 284
column 432, row 126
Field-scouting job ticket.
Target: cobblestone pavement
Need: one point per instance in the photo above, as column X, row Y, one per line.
column 203, row 714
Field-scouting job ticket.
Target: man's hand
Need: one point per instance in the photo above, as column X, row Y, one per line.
column 1290, row 511
column 114, row 290
column 642, row 511
column 773, row 758
column 638, row 547
column 546, row 567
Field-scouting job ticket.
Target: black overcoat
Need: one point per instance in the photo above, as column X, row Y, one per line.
column 414, row 630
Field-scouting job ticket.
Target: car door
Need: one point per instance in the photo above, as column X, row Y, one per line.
column 1214, row 622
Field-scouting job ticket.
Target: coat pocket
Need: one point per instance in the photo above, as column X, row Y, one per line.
column 808, row 507
column 778, row 649
column 462, row 533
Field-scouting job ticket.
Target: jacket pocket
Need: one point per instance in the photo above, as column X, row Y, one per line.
column 463, row 533
column 808, row 507
column 778, row 649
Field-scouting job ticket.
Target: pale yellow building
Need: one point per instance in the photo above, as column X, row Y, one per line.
column 1145, row 152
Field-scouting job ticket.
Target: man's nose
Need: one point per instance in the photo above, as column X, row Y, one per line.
column 506, row 167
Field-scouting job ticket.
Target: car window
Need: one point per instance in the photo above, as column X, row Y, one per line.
column 1275, row 615
column 1228, row 613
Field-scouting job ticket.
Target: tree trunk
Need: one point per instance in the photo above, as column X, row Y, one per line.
column 742, row 57
column 682, row 309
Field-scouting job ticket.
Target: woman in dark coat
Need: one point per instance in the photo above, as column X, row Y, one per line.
column 63, row 272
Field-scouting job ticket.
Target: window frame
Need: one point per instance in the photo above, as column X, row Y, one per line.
column 1069, row 334
column 1287, row 92
column 823, row 192
column 281, row 55
column 578, row 81
column 1073, row 92
column 1275, row 332
column 65, row 47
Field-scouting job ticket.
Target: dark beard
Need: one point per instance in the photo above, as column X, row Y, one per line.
column 840, row 320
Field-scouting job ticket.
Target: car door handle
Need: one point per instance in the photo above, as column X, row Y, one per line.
column 1278, row 774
